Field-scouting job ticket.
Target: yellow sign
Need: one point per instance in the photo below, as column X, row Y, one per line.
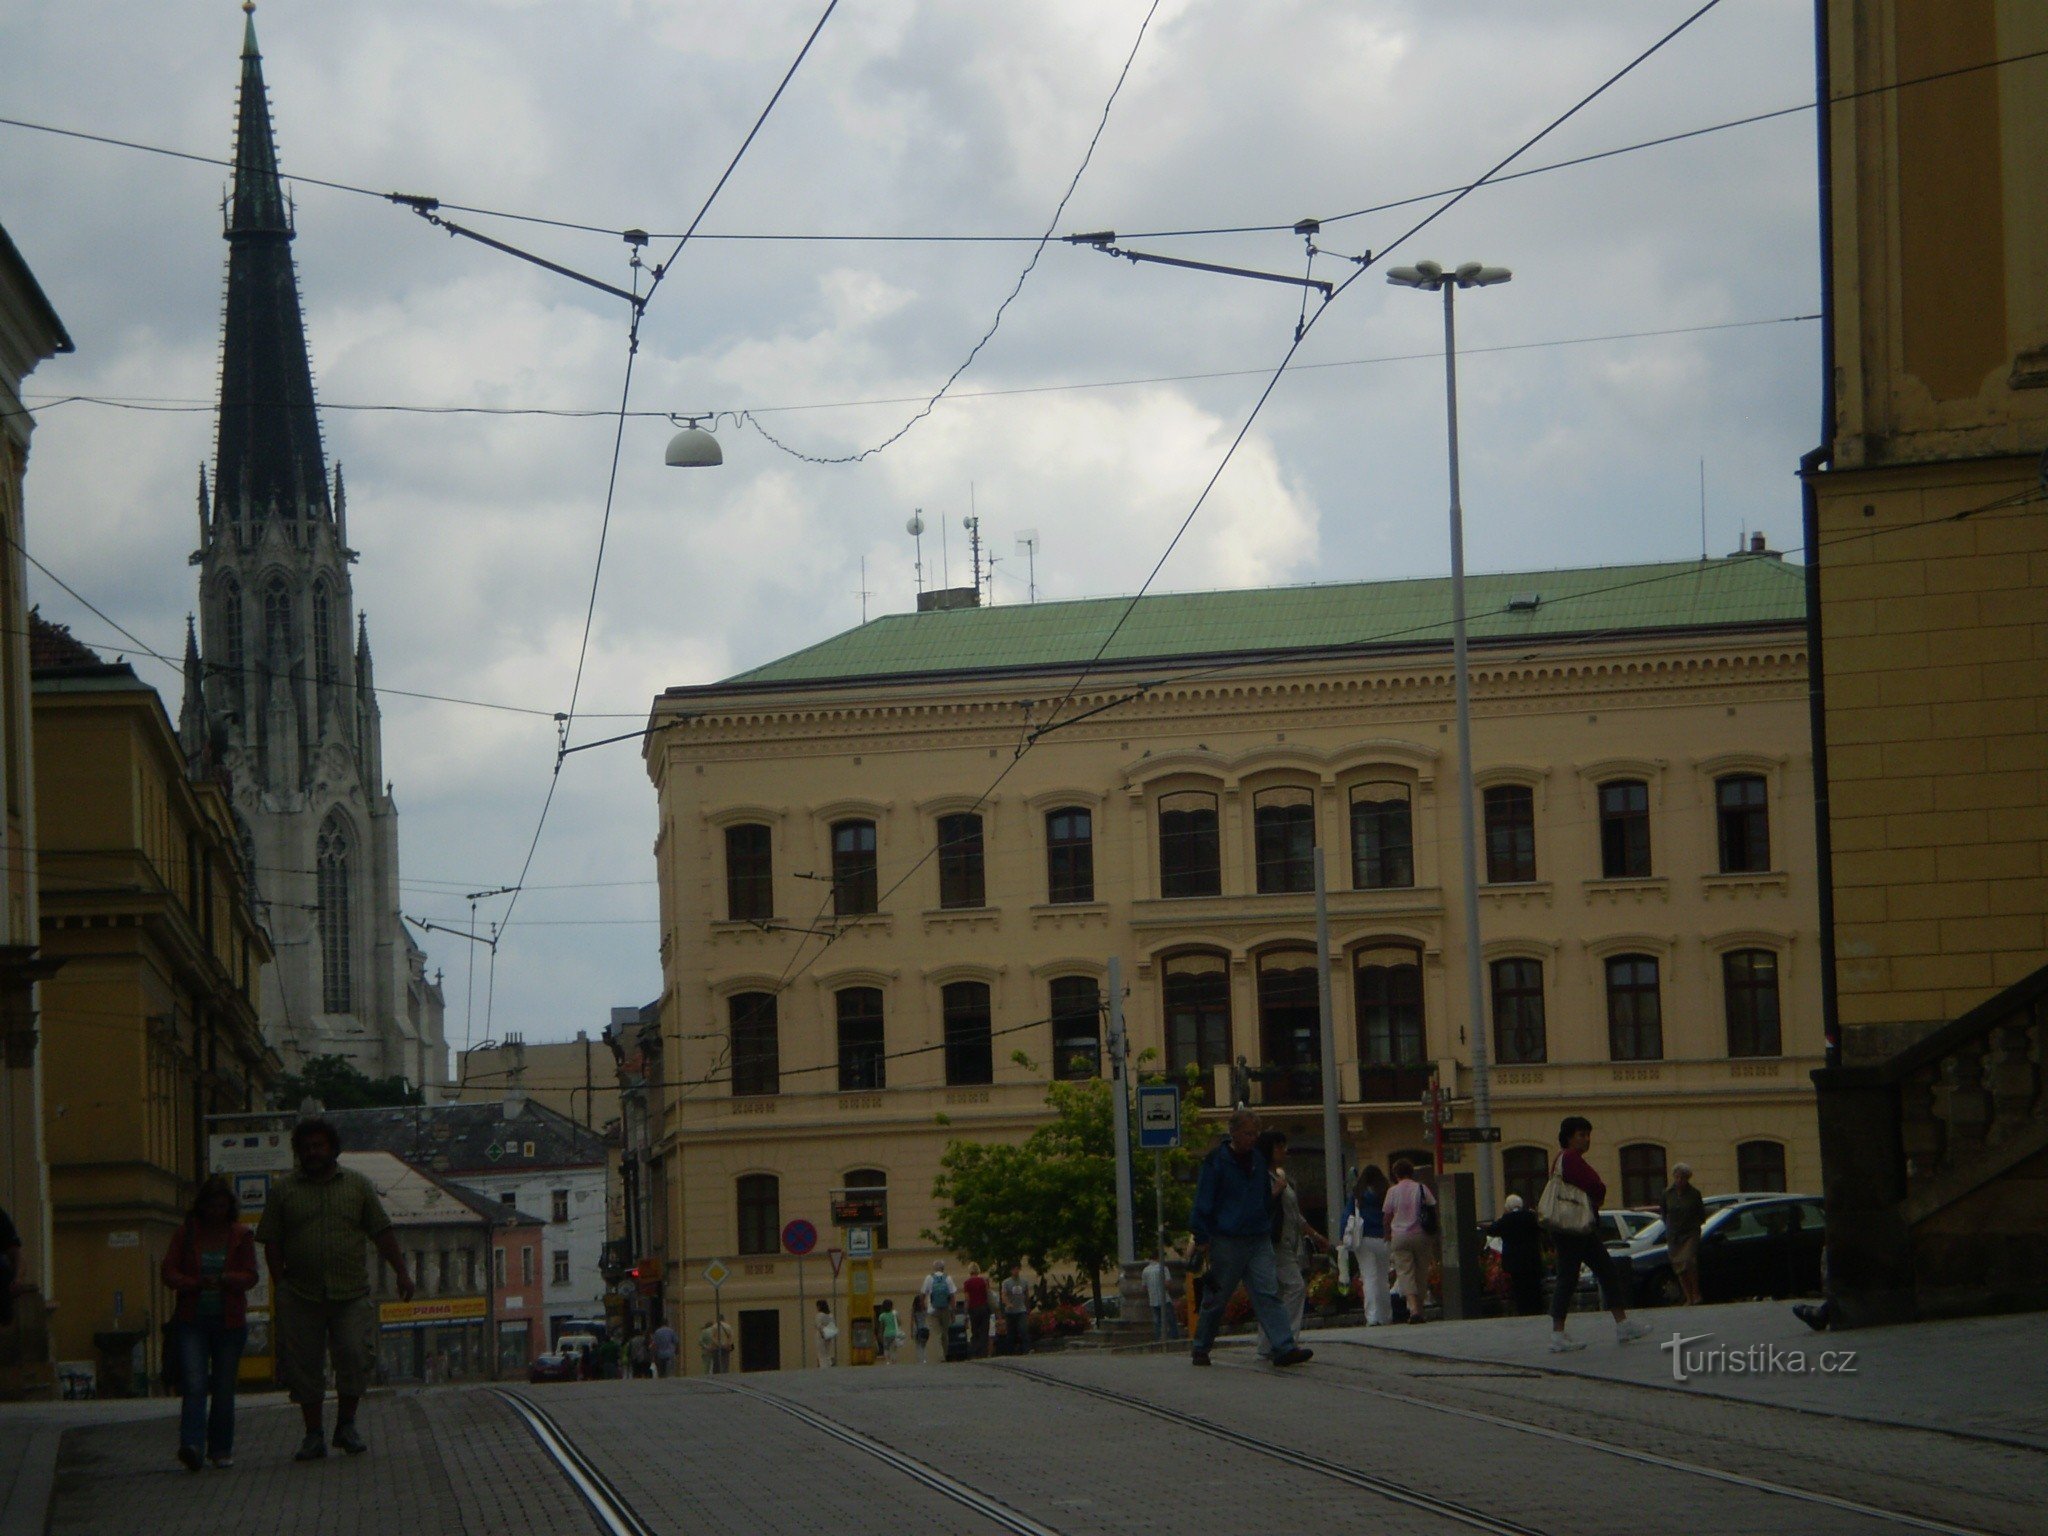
column 453, row 1309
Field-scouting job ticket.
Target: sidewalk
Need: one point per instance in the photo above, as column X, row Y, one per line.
column 29, row 1436
column 1973, row 1376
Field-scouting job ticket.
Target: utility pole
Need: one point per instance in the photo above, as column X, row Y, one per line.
column 1119, row 1077
column 1333, row 1125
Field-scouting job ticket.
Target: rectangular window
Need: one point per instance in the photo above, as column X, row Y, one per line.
column 756, row 1049
column 749, row 873
column 1382, row 838
column 526, row 1265
column 1742, row 803
column 1196, row 992
column 863, row 1065
column 1284, row 839
column 1635, row 1009
column 760, row 1213
column 1625, row 830
column 1518, row 1024
column 1760, row 1167
column 1510, row 834
column 1076, row 1027
column 509, row 1197
column 961, row 877
column 1749, row 987
column 1069, row 855
column 970, row 1054
column 498, row 1266
column 853, row 868
column 1387, row 988
column 560, row 1274
column 1642, row 1174
column 558, row 1203
column 1190, row 846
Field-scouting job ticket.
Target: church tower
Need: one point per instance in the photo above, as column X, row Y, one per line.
column 278, row 691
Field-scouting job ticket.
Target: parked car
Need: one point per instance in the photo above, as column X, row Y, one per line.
column 1619, row 1228
column 553, row 1368
column 1653, row 1234
column 1763, row 1247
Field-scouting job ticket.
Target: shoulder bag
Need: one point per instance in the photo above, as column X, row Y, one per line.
column 1563, row 1206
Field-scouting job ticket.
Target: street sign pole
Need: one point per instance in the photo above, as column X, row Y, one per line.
column 1333, row 1126
column 1120, row 1082
column 803, row 1318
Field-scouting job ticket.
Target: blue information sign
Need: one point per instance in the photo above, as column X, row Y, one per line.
column 1158, row 1117
column 799, row 1237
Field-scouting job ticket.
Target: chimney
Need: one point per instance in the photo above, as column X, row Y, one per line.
column 940, row 599
column 1758, row 545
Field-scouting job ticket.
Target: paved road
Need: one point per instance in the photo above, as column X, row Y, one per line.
column 1443, row 1428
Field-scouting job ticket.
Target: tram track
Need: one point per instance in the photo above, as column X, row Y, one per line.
column 613, row 1512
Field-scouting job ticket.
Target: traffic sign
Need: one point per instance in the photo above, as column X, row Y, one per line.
column 715, row 1273
column 1158, row 1116
column 799, row 1237
column 838, row 1257
column 1456, row 1134
column 860, row 1242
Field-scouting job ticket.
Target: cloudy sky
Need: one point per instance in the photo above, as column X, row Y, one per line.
column 1094, row 416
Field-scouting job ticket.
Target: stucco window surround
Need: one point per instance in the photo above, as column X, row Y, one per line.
column 1751, row 990
column 1199, row 1013
column 1198, row 771
column 1392, row 1004
column 1712, row 770
column 1383, row 760
column 1042, row 883
column 1282, row 828
column 824, row 817
column 757, row 1211
column 1043, row 978
column 726, row 891
column 1507, row 979
column 1661, row 948
column 1534, row 780
column 1762, row 1165
column 934, row 982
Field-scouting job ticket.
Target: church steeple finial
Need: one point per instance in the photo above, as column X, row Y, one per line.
column 269, row 431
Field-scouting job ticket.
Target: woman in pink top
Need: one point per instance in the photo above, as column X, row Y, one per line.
column 1574, row 1136
column 1406, row 1235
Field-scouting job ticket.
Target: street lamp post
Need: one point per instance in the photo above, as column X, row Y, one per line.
column 1431, row 277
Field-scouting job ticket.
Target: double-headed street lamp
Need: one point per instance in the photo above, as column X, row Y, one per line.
column 1430, row 276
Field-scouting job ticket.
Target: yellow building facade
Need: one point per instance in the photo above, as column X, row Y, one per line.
column 151, row 1024
column 889, row 902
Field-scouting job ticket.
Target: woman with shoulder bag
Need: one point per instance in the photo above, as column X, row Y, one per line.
column 1570, row 1210
column 1406, row 1208
column 211, row 1264
column 1365, row 1232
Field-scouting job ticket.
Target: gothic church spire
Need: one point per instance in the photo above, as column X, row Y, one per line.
column 269, row 452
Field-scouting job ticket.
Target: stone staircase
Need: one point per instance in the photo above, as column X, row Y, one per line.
column 1935, row 1167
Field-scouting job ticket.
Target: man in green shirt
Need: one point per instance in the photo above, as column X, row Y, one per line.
column 314, row 1228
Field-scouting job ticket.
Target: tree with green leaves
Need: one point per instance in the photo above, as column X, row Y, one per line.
column 1052, row 1199
column 338, row 1084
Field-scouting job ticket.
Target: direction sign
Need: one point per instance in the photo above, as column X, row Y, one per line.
column 1158, row 1116
column 715, row 1273
column 1456, row 1134
column 799, row 1237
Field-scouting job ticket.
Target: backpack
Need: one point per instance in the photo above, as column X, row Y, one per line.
column 942, row 1293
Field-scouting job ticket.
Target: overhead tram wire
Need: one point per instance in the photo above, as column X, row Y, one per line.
column 791, row 972
column 1193, row 232
column 995, row 323
column 640, row 304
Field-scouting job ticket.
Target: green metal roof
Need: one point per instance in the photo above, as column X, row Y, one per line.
column 1739, row 590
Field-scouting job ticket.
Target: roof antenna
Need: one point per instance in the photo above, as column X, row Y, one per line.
column 864, row 594
column 1027, row 546
column 915, row 528
column 1703, row 511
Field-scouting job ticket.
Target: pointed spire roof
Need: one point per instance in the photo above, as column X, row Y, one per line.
column 269, row 448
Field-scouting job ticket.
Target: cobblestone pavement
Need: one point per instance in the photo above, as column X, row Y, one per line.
column 1082, row 1442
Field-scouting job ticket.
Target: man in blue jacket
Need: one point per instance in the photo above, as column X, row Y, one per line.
column 1233, row 1225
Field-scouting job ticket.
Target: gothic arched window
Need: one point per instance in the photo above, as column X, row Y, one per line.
column 323, row 634
column 277, row 623
column 231, row 633
column 331, row 860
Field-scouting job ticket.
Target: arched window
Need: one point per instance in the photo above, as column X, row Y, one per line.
column 1749, row 988
column 1524, row 1171
column 863, row 1064
column 1760, row 1167
column 234, row 659
column 853, row 867
column 1387, row 983
column 1382, row 837
column 1076, row 1027
column 1284, row 837
column 760, row 1208
column 970, row 1057
column 1190, row 847
column 1743, row 821
column 867, row 1191
column 1196, row 989
column 1069, row 854
column 1290, row 1027
column 749, row 873
column 1625, row 830
column 756, row 1050
column 1642, row 1173
column 331, row 864
column 1518, row 1021
column 1635, row 1009
column 277, row 624
column 323, row 634
column 962, row 879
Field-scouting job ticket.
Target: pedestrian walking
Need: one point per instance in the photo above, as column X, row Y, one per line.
column 1365, row 1234
column 1521, row 1254
column 665, row 1346
column 608, row 1359
column 974, row 1291
column 1685, row 1212
column 639, row 1357
column 888, row 1332
column 1017, row 1311
column 723, row 1363
column 1408, row 1234
column 211, row 1264
column 707, row 1348
column 828, row 1334
column 937, row 1291
column 1233, row 1227
column 1290, row 1230
column 920, row 1323
column 1158, row 1295
column 315, row 1226
column 1578, row 1242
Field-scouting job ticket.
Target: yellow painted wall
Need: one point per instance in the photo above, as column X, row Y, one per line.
column 1561, row 718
